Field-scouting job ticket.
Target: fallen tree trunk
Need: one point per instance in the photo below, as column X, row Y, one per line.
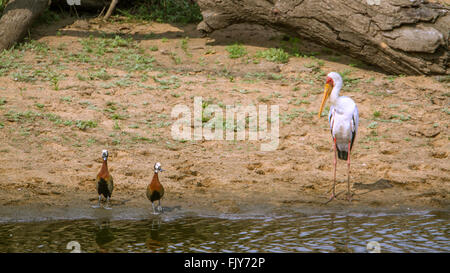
column 19, row 15
column 401, row 36
column 17, row 19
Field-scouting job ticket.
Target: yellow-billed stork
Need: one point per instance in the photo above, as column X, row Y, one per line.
column 343, row 119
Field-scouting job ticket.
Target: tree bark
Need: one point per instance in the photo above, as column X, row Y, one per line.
column 401, row 36
column 17, row 19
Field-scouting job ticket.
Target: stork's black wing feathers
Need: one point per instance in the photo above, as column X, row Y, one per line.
column 355, row 124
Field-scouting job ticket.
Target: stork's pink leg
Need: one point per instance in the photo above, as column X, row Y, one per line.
column 349, row 195
column 333, row 194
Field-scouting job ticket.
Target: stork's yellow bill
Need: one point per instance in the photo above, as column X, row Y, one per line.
column 326, row 94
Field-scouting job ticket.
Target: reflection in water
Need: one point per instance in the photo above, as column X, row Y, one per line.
column 418, row 232
column 103, row 235
column 153, row 241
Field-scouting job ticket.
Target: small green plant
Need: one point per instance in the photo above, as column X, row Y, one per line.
column 124, row 82
column 91, row 141
column 315, row 65
column 349, row 81
column 236, row 51
column 369, row 80
column 274, row 76
column 100, row 75
column 443, row 79
column 175, row 58
column 85, row 124
column 39, row 105
column 142, row 139
column 116, row 125
column 66, row 99
column 401, row 117
column 175, row 95
column 23, row 76
column 264, row 99
column 184, row 46
column 297, row 101
column 81, row 77
column 54, row 79
column 373, row 125
column 277, row 55
column 116, row 116
column 292, row 46
column 391, row 78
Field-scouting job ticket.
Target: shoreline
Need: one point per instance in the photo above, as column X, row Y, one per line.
column 124, row 208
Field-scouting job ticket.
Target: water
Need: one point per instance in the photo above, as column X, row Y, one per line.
column 411, row 232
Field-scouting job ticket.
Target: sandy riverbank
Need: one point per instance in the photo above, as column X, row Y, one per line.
column 67, row 98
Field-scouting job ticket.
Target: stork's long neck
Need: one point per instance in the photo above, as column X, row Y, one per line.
column 335, row 93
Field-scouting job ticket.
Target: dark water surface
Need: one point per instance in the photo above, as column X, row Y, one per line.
column 402, row 232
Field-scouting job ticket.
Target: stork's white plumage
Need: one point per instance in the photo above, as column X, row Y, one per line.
column 343, row 119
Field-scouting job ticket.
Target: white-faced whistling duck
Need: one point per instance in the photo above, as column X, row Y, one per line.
column 104, row 182
column 155, row 190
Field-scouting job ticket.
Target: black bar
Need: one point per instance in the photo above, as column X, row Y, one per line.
column 223, row 262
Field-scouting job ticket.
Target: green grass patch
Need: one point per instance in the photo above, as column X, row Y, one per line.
column 277, row 55
column 142, row 139
column 373, row 125
column 31, row 116
column 85, row 124
column 236, row 51
column 443, row 79
column 2, row 6
column 47, row 17
column 162, row 11
column 184, row 46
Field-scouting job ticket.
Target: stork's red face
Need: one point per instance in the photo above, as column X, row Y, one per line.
column 330, row 81
column 328, row 87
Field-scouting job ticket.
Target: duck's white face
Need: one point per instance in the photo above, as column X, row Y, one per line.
column 158, row 167
column 105, row 154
